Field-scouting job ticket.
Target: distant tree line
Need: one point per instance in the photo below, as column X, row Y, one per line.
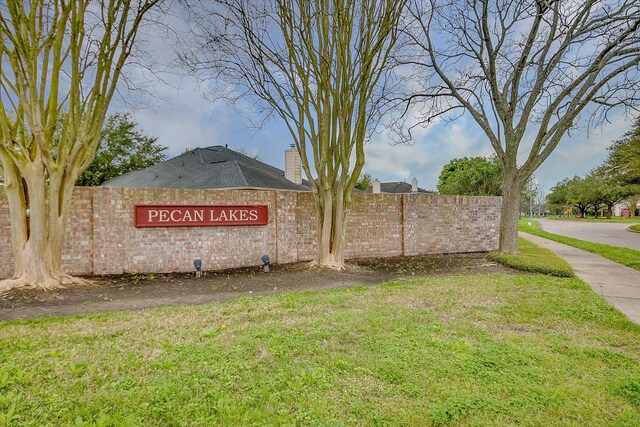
column 617, row 180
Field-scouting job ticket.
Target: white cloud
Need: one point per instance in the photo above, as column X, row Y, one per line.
column 579, row 152
column 430, row 151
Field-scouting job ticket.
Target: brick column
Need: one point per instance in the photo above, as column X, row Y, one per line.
column 286, row 227
column 109, row 221
column 410, row 224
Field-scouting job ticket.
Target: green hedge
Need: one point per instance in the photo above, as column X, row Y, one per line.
column 534, row 259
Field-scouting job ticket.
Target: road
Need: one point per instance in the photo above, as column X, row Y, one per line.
column 615, row 234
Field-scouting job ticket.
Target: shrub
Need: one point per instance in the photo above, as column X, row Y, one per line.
column 534, row 259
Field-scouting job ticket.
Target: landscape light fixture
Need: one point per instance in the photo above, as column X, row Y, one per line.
column 266, row 261
column 198, row 265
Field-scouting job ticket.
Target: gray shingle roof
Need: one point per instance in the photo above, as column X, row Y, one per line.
column 211, row 167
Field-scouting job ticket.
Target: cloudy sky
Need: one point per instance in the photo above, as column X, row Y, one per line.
column 178, row 110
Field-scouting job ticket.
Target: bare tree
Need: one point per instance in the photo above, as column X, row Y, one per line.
column 532, row 195
column 319, row 66
column 525, row 70
column 60, row 61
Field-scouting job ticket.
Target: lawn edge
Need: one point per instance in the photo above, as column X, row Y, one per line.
column 529, row 263
column 592, row 247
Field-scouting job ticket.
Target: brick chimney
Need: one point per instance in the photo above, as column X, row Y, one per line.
column 414, row 185
column 292, row 165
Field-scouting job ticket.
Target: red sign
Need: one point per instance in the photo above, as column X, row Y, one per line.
column 199, row 216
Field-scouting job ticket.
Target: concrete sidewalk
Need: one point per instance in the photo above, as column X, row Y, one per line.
column 616, row 283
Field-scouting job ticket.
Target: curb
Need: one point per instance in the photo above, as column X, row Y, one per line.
column 633, row 231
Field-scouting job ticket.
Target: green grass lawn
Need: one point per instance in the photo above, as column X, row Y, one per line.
column 624, row 256
column 534, row 259
column 468, row 350
column 632, row 220
column 635, row 227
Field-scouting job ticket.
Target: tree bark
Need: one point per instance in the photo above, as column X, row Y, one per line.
column 331, row 230
column 49, row 131
column 582, row 211
column 38, row 212
column 510, row 214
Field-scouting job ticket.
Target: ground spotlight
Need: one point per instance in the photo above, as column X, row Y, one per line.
column 198, row 265
column 266, row 261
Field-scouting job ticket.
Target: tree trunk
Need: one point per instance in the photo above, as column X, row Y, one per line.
column 331, row 230
column 510, row 213
column 631, row 203
column 38, row 212
column 609, row 210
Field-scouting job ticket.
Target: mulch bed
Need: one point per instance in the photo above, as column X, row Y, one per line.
column 134, row 292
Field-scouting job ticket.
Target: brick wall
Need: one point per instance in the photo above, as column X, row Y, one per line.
column 374, row 226
column 102, row 238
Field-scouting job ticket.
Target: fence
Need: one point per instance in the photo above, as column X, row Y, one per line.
column 102, row 238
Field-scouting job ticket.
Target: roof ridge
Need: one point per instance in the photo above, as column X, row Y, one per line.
column 209, row 167
column 239, row 167
column 199, row 151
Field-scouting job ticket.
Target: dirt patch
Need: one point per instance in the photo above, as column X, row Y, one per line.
column 134, row 292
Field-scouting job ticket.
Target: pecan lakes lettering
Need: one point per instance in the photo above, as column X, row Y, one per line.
column 199, row 216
